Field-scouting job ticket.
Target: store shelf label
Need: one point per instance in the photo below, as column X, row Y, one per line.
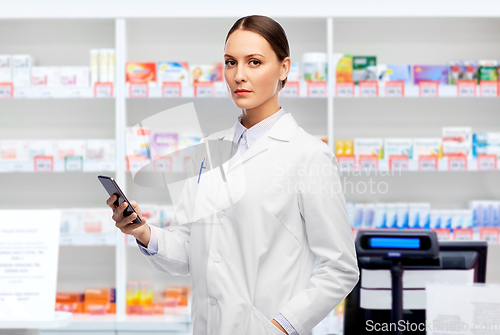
column 368, row 163
column 490, row 234
column 488, row 88
column 136, row 162
column 291, row 89
column 457, row 163
column 77, row 93
column 427, row 163
column 73, row 163
column 46, row 92
column 163, row 164
column 6, row 91
column 395, row 89
column 44, row 163
column 462, row 234
column 171, row 89
column 139, row 90
column 204, row 90
column 466, row 88
column 103, row 90
column 344, row 90
column 398, row 162
column 346, row 163
column 442, row 234
column 368, row 88
column 316, row 89
column 428, row 89
column 487, row 162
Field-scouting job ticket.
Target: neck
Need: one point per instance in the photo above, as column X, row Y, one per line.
column 254, row 115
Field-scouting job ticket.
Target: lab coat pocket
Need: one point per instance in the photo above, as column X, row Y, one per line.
column 259, row 324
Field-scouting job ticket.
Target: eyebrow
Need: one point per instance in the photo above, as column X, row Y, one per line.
column 247, row 56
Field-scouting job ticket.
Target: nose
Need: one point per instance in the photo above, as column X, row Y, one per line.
column 240, row 75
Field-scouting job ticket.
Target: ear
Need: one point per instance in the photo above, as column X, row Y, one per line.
column 285, row 68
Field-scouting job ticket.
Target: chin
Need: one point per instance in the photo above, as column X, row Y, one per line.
column 244, row 103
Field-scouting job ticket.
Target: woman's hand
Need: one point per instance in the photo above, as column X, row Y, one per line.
column 140, row 231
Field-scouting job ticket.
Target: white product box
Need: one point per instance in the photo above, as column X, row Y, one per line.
column 5, row 68
column 457, row 134
column 94, row 66
column 486, row 138
column 424, row 215
column 467, row 218
column 14, row 150
column 457, row 221
column 426, row 146
column 104, row 65
column 414, row 215
column 101, row 149
column 45, row 76
column 368, row 146
column 487, row 150
column 43, row 148
column 173, row 71
column 76, row 76
column 445, row 218
column 21, row 70
column 359, row 210
column 350, row 212
column 137, row 141
column 397, row 146
column 380, row 220
column 70, row 148
column 98, row 221
column 71, row 221
column 392, row 215
column 435, row 219
column 368, row 215
column 186, row 140
column 111, row 65
column 294, row 74
column 457, row 148
column 402, row 215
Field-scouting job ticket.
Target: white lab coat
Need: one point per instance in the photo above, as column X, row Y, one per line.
column 254, row 259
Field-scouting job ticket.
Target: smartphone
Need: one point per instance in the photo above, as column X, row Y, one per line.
column 112, row 188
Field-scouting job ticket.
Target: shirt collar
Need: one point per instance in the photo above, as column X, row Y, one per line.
column 257, row 130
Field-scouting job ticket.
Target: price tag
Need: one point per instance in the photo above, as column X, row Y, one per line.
column 442, row 234
column 346, row 163
column 488, row 88
column 44, row 163
column 46, row 92
column 316, row 89
column 398, row 162
column 368, row 162
column 395, row 89
column 462, row 234
column 490, row 234
column 73, row 163
column 17, row 166
column 487, row 162
column 427, row 163
column 6, row 91
column 65, row 240
column 428, row 89
column 139, row 90
column 204, row 90
column 466, row 88
column 171, row 89
column 368, row 88
column 457, row 163
column 344, row 90
column 136, row 162
column 103, row 90
column 163, row 164
column 291, row 89
column 77, row 92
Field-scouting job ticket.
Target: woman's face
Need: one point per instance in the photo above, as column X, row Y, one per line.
column 252, row 65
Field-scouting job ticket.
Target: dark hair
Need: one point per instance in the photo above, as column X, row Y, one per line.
column 270, row 30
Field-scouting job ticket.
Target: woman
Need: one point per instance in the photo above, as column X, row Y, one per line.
column 251, row 262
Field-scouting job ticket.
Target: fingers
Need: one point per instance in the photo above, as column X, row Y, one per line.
column 118, row 212
column 111, row 200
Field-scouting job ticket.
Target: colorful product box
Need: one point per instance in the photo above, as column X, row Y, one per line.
column 173, row 71
column 488, row 70
column 457, row 134
column 387, row 73
column 343, row 68
column 344, row 148
column 101, row 149
column 74, row 76
column 5, row 68
column 462, row 70
column 485, row 144
column 43, row 148
column 437, row 73
column 402, row 215
column 152, row 213
column 380, row 220
column 427, row 146
column 97, row 221
column 398, row 146
column 72, row 221
column 368, row 216
column 21, row 70
column 71, row 148
column 164, row 144
column 141, row 73
column 294, row 74
column 452, row 148
column 14, row 150
column 369, row 146
column 392, row 215
column 201, row 73
column 364, row 68
column 137, row 140
column 45, row 76
column 218, row 74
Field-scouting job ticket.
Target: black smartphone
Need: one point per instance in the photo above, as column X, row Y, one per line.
column 112, row 188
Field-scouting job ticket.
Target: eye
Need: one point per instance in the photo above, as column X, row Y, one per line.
column 229, row 61
column 255, row 61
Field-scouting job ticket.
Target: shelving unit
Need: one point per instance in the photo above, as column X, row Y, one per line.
column 155, row 32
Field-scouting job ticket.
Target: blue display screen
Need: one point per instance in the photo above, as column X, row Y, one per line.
column 394, row 242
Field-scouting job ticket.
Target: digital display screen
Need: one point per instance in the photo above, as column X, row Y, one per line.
column 394, row 243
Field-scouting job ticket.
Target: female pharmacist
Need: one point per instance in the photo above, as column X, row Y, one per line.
column 252, row 261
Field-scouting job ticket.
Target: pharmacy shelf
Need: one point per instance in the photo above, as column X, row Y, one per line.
column 87, row 239
column 59, row 166
column 41, row 92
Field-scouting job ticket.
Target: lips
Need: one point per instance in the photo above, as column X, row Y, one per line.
column 241, row 91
